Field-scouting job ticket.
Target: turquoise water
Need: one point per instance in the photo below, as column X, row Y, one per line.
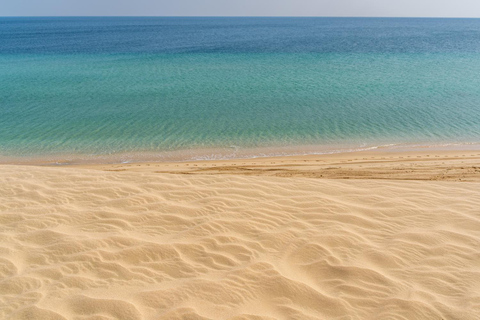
column 199, row 88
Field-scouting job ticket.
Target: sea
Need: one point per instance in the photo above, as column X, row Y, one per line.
column 122, row 89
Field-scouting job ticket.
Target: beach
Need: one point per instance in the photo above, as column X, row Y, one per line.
column 362, row 235
column 239, row 168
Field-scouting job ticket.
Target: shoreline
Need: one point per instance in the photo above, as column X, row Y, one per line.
column 214, row 154
column 446, row 165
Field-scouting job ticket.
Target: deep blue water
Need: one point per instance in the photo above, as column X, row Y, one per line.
column 207, row 86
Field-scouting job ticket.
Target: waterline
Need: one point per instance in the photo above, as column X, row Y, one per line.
column 233, row 153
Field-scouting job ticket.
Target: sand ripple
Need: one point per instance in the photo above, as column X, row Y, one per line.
column 86, row 244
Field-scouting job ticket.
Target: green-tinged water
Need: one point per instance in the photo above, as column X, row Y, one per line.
column 122, row 102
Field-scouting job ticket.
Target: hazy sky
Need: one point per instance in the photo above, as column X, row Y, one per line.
column 384, row 8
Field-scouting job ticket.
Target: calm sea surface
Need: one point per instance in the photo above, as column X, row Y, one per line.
column 182, row 88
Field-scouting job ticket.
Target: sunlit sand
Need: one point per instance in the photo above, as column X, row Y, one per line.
column 352, row 236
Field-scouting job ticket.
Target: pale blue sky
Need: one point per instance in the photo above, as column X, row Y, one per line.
column 383, row 8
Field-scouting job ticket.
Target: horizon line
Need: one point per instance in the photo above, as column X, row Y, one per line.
column 232, row 16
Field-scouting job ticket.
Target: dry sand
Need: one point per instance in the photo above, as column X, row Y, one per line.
column 354, row 236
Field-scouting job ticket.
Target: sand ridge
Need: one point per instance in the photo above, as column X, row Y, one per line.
column 86, row 243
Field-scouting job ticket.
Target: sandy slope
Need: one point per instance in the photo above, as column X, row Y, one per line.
column 229, row 243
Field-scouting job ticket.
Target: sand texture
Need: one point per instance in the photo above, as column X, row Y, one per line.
column 339, row 237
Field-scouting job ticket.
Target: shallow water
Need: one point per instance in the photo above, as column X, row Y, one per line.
column 202, row 87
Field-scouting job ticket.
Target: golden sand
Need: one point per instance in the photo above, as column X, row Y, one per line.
column 352, row 236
